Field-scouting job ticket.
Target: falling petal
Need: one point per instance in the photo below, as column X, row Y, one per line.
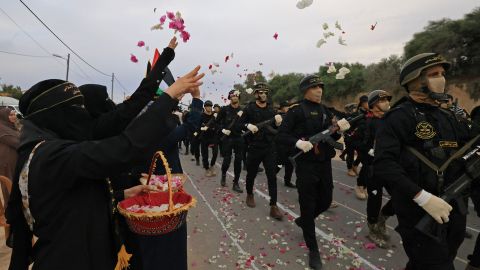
column 216, row 64
column 231, row 55
column 227, row 58
column 155, row 9
column 162, row 19
column 338, row 26
column 341, row 41
column 178, row 15
column 157, row 27
column 170, row 15
column 140, row 43
column 237, row 65
column 372, row 27
column 344, row 70
column 275, row 36
column 185, row 36
column 147, row 48
column 133, row 58
column 210, row 67
column 331, row 69
column 328, row 34
column 325, row 26
column 321, row 42
column 304, row 4
column 249, row 90
column 340, row 76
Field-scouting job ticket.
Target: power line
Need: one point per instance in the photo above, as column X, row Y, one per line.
column 28, row 55
column 121, row 85
column 68, row 47
column 81, row 70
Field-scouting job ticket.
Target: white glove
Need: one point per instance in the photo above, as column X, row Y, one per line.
column 203, row 128
column 195, row 134
column 305, row 146
column 240, row 113
column 278, row 120
column 226, row 132
column 371, row 152
column 252, row 128
column 434, row 206
column 343, row 124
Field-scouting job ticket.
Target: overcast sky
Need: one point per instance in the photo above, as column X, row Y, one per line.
column 105, row 33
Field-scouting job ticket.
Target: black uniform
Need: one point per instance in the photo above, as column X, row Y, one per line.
column 314, row 168
column 282, row 159
column 475, row 256
column 374, row 185
column 261, row 148
column 430, row 131
column 208, row 140
column 234, row 142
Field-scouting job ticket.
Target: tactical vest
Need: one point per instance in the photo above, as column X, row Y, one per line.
column 317, row 120
column 436, row 140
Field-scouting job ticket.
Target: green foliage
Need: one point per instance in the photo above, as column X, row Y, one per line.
column 457, row 40
column 11, row 91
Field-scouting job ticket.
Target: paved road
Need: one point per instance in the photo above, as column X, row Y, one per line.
column 225, row 234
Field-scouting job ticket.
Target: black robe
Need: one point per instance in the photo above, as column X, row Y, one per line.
column 68, row 195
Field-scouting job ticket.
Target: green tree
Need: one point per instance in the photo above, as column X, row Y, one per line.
column 11, row 91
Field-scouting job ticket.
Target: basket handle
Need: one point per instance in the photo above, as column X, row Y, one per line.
column 159, row 154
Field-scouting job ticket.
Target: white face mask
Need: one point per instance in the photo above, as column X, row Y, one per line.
column 436, row 84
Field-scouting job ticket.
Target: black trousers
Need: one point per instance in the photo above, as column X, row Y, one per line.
column 425, row 253
column 282, row 159
column 204, row 145
column 350, row 154
column 315, row 188
column 267, row 156
column 195, row 147
column 365, row 171
column 374, row 200
column 235, row 145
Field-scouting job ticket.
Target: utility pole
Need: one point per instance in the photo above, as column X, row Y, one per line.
column 113, row 78
column 66, row 59
column 68, row 65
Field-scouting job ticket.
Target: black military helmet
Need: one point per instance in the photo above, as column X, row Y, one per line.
column 233, row 92
column 309, row 82
column 284, row 104
column 376, row 95
column 208, row 103
column 415, row 65
column 216, row 106
column 260, row 87
column 362, row 99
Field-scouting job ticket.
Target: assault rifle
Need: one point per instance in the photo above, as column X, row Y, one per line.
column 427, row 225
column 325, row 137
column 238, row 115
column 208, row 125
column 261, row 125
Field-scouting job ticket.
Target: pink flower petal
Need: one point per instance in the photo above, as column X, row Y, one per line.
column 141, row 44
column 133, row 58
column 162, row 19
column 170, row 15
column 185, row 36
column 275, row 36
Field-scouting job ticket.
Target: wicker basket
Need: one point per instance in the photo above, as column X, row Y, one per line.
column 157, row 223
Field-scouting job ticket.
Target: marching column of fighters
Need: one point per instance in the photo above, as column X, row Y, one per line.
column 399, row 149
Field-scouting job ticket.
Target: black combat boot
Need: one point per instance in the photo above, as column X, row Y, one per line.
column 223, row 181
column 314, row 260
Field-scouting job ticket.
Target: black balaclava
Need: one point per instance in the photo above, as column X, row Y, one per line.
column 57, row 105
column 96, row 99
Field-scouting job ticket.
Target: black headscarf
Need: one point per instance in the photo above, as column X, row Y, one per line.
column 96, row 99
column 57, row 105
